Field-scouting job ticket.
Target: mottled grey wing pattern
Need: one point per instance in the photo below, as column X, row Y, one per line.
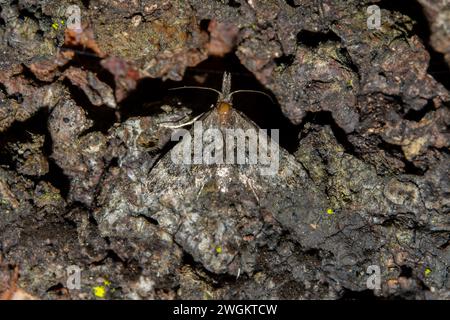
column 215, row 212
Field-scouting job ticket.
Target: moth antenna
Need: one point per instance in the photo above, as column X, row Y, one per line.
column 195, row 87
column 183, row 124
column 253, row 91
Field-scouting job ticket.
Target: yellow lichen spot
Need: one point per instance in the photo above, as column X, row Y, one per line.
column 330, row 211
column 219, row 249
column 99, row 291
column 350, row 83
column 427, row 272
column 62, row 22
column 107, row 283
column 55, row 26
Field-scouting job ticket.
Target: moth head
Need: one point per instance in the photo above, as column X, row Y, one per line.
column 225, row 102
column 223, row 107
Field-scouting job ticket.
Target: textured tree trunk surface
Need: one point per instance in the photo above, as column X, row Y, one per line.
column 359, row 208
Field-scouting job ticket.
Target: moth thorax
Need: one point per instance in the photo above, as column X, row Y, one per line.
column 224, row 110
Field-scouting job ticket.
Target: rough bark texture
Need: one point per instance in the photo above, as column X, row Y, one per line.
column 363, row 114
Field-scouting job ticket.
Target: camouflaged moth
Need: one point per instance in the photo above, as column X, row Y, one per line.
column 215, row 212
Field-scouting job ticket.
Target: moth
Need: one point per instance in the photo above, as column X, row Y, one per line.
column 219, row 212
column 227, row 139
